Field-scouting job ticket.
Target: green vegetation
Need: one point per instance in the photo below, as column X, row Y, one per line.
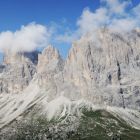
column 92, row 125
column 33, row 129
column 101, row 125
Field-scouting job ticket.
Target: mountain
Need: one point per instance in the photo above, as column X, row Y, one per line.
column 96, row 89
column 111, row 68
column 18, row 70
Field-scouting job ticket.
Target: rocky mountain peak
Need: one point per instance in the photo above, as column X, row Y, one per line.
column 20, row 57
column 12, row 57
column 101, row 70
column 51, row 53
column 95, row 63
column 49, row 60
column 18, row 70
column 104, row 61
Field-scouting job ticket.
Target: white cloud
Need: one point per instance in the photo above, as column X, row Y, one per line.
column 90, row 21
column 123, row 25
column 116, row 6
column 112, row 14
column 67, row 37
column 136, row 11
column 28, row 38
column 117, row 15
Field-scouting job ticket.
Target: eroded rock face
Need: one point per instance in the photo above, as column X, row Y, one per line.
column 113, row 58
column 20, row 57
column 49, row 61
column 18, row 70
column 50, row 71
column 102, row 69
column 106, row 68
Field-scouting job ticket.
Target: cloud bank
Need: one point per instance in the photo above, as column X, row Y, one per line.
column 116, row 15
column 28, row 38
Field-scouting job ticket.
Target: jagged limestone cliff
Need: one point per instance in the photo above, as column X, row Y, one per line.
column 107, row 68
column 102, row 72
column 17, row 72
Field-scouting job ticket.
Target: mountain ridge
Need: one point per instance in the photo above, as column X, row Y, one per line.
column 104, row 74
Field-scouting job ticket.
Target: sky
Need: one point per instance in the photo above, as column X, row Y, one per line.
column 25, row 23
column 14, row 13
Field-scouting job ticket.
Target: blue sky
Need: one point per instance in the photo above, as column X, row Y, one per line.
column 14, row 13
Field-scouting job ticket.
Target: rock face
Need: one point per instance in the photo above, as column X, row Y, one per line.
column 49, row 65
column 50, row 71
column 49, row 61
column 20, row 57
column 107, row 68
column 18, row 70
column 102, row 69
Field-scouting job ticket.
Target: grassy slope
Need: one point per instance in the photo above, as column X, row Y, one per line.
column 93, row 125
column 101, row 125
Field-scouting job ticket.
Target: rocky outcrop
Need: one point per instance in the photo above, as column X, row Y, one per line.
column 101, row 72
column 102, row 68
column 106, row 67
column 49, row 61
column 20, row 57
column 50, row 71
column 18, row 70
